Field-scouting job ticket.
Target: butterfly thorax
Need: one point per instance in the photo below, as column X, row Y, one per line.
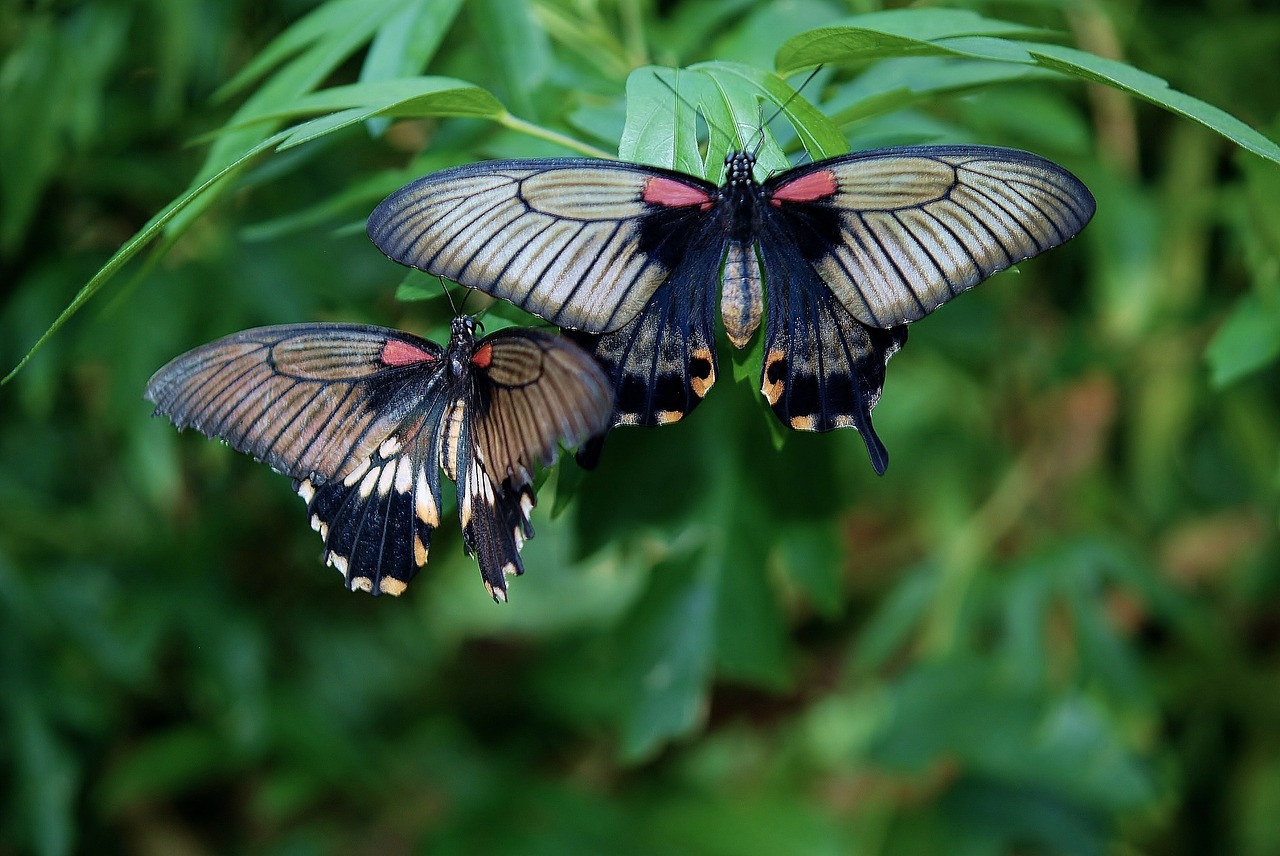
column 738, row 196
column 462, row 346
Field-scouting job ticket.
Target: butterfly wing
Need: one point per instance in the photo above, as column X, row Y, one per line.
column 351, row 412
column 823, row 369
column 530, row 392
column 582, row 243
column 895, row 233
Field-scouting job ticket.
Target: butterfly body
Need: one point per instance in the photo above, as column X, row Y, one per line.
column 834, row 258
column 365, row 418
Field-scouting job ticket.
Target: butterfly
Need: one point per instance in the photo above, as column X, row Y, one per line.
column 837, row 256
column 364, row 419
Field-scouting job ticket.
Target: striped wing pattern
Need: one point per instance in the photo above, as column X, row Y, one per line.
column 559, row 238
column 364, row 419
column 304, row 398
column 904, row 230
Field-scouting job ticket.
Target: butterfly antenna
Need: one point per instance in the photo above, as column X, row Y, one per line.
column 781, row 109
column 681, row 99
column 448, row 296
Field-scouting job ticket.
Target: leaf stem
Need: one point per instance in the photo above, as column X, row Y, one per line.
column 515, row 123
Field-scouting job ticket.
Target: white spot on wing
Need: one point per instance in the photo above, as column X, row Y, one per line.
column 355, row 474
column 388, row 476
column 306, row 490
column 390, row 447
column 404, row 475
column 370, row 479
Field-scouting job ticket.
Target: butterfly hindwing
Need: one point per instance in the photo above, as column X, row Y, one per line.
column 895, row 233
column 823, row 369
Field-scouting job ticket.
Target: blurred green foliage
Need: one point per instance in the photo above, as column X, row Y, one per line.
column 1052, row 627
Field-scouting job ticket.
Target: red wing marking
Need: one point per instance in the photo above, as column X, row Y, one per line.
column 819, row 184
column 674, row 194
column 483, row 356
column 397, row 353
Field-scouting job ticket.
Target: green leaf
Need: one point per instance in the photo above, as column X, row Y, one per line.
column 662, row 109
column 146, row 235
column 925, row 32
column 669, row 642
column 329, row 20
column 406, row 42
column 517, row 49
column 406, row 97
column 48, row 776
column 1128, row 79
column 892, row 33
column 1247, row 341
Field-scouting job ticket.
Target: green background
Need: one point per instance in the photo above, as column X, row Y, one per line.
column 1051, row 627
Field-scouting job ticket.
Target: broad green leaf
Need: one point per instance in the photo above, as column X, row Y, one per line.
column 669, row 649
column 661, row 129
column 1248, row 340
column 731, row 98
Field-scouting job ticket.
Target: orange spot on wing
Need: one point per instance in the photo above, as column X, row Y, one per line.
column 398, row 353
column 674, row 194
column 483, row 356
column 807, row 188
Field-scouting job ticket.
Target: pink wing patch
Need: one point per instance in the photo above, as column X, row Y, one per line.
column 397, row 353
column 674, row 194
column 483, row 356
column 819, row 184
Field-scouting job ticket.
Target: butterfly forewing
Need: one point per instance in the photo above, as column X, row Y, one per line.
column 565, row 239
column 896, row 233
column 530, row 392
column 535, row 390
column 305, row 398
